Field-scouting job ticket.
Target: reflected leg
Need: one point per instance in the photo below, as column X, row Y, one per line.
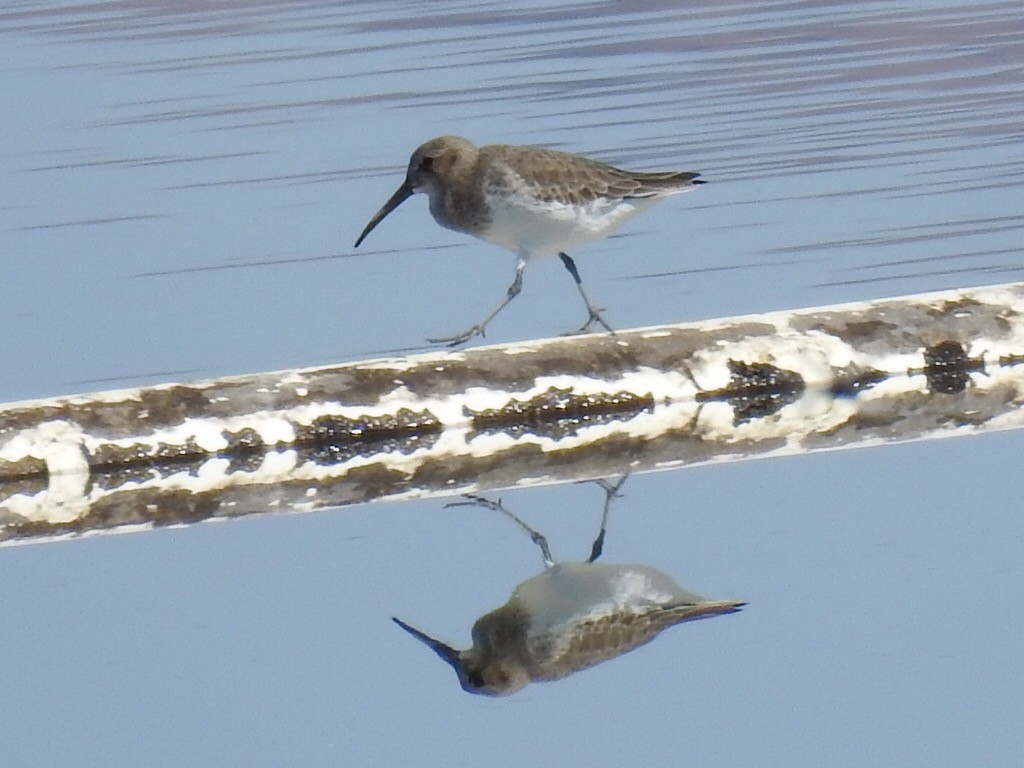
column 610, row 492
column 535, row 536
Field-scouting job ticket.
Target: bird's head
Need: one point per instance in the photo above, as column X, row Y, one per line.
column 430, row 167
column 483, row 676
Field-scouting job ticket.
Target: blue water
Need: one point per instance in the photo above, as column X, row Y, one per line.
column 182, row 185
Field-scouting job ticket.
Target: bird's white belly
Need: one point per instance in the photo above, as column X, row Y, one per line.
column 569, row 593
column 535, row 228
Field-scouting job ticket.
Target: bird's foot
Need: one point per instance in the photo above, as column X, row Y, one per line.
column 473, row 500
column 610, row 489
column 460, row 338
column 595, row 317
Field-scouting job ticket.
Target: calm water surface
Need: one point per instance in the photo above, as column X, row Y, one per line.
column 182, row 184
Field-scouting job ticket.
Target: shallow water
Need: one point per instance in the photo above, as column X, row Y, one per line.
column 182, row 184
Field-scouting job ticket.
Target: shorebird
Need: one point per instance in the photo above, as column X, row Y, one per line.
column 571, row 616
column 533, row 201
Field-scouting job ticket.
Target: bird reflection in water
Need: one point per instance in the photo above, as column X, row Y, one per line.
column 571, row 616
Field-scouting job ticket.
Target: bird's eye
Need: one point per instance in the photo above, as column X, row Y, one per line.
column 475, row 679
column 426, row 163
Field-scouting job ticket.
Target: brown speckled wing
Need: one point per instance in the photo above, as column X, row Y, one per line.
column 555, row 176
column 605, row 637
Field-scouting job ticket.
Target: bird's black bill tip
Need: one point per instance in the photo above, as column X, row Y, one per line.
column 401, row 195
column 446, row 652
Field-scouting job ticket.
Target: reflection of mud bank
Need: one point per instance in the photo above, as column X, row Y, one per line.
column 543, row 411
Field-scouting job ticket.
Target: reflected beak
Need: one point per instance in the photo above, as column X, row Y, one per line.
column 448, row 654
column 400, row 196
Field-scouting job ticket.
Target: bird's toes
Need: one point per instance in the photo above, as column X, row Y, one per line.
column 460, row 338
column 595, row 317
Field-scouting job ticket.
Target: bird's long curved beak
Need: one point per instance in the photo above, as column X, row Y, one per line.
column 400, row 196
column 448, row 654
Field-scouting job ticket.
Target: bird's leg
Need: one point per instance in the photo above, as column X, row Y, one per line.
column 479, row 328
column 535, row 536
column 593, row 310
column 610, row 492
